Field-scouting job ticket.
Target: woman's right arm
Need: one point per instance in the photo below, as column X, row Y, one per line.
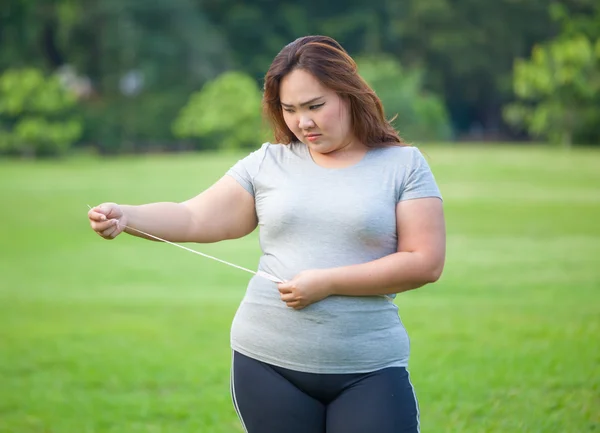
column 224, row 211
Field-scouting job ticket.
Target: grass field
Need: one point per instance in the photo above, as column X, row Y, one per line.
column 131, row 336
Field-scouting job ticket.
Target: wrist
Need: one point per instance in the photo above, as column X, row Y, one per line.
column 329, row 277
column 124, row 218
column 125, row 212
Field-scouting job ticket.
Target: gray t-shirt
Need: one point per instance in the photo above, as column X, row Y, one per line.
column 311, row 217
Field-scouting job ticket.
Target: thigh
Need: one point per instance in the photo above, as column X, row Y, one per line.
column 267, row 403
column 382, row 402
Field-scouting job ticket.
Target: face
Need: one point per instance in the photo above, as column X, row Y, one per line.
column 316, row 115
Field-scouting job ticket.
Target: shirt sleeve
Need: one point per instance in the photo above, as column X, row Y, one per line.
column 419, row 180
column 245, row 170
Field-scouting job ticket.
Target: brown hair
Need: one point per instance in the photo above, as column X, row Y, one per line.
column 325, row 58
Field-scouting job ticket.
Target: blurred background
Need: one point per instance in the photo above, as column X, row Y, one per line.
column 143, row 101
column 116, row 76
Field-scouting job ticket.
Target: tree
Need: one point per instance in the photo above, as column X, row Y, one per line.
column 227, row 111
column 467, row 49
column 420, row 115
column 464, row 48
column 559, row 86
column 36, row 115
column 168, row 47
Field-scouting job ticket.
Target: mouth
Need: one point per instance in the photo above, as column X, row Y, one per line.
column 312, row 137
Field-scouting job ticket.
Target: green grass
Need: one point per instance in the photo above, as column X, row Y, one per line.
column 131, row 336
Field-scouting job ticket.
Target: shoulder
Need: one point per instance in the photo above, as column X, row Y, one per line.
column 399, row 156
column 268, row 155
column 280, row 153
column 280, row 148
column 258, row 155
column 268, row 148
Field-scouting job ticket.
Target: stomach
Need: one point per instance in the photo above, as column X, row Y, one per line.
column 339, row 334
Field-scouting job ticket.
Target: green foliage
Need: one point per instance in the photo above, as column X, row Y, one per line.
column 36, row 114
column 559, row 88
column 169, row 44
column 466, row 57
column 117, row 124
column 582, row 18
column 465, row 47
column 421, row 115
column 226, row 110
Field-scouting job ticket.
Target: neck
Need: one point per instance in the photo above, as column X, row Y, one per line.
column 348, row 149
column 344, row 156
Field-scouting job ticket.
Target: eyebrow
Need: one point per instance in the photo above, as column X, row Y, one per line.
column 304, row 103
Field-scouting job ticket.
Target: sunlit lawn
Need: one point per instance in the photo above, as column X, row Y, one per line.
column 132, row 336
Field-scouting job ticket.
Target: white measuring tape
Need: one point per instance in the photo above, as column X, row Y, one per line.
column 258, row 273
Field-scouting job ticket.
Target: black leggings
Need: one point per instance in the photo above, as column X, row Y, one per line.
column 270, row 399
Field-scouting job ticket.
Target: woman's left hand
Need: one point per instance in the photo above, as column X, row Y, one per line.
column 305, row 288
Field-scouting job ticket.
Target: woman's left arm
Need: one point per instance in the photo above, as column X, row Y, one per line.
column 418, row 261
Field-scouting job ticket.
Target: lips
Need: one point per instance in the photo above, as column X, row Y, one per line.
column 312, row 137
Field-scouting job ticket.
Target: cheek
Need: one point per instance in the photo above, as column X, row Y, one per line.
column 290, row 122
column 344, row 116
column 336, row 120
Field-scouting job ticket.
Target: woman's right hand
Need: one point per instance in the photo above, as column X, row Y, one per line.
column 108, row 220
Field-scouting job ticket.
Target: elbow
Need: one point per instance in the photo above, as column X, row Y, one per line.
column 431, row 271
column 426, row 271
column 426, row 277
column 435, row 273
column 434, row 277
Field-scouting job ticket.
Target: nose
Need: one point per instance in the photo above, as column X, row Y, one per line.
column 305, row 122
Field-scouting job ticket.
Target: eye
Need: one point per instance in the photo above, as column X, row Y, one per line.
column 314, row 107
column 289, row 110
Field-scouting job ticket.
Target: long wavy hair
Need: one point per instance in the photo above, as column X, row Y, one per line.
column 329, row 63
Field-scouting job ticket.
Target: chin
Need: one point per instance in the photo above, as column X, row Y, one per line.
column 321, row 146
column 318, row 148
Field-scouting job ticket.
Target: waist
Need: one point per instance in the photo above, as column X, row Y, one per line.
column 335, row 335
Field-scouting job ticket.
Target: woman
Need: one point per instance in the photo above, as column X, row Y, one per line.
column 349, row 216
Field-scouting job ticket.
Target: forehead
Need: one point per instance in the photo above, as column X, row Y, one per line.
column 300, row 85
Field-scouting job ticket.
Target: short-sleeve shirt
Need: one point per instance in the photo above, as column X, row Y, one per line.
column 311, row 217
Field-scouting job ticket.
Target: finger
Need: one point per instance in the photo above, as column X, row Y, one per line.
column 102, row 226
column 288, row 297
column 96, row 216
column 108, row 233
column 113, row 233
column 109, row 210
column 116, row 232
column 284, row 288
